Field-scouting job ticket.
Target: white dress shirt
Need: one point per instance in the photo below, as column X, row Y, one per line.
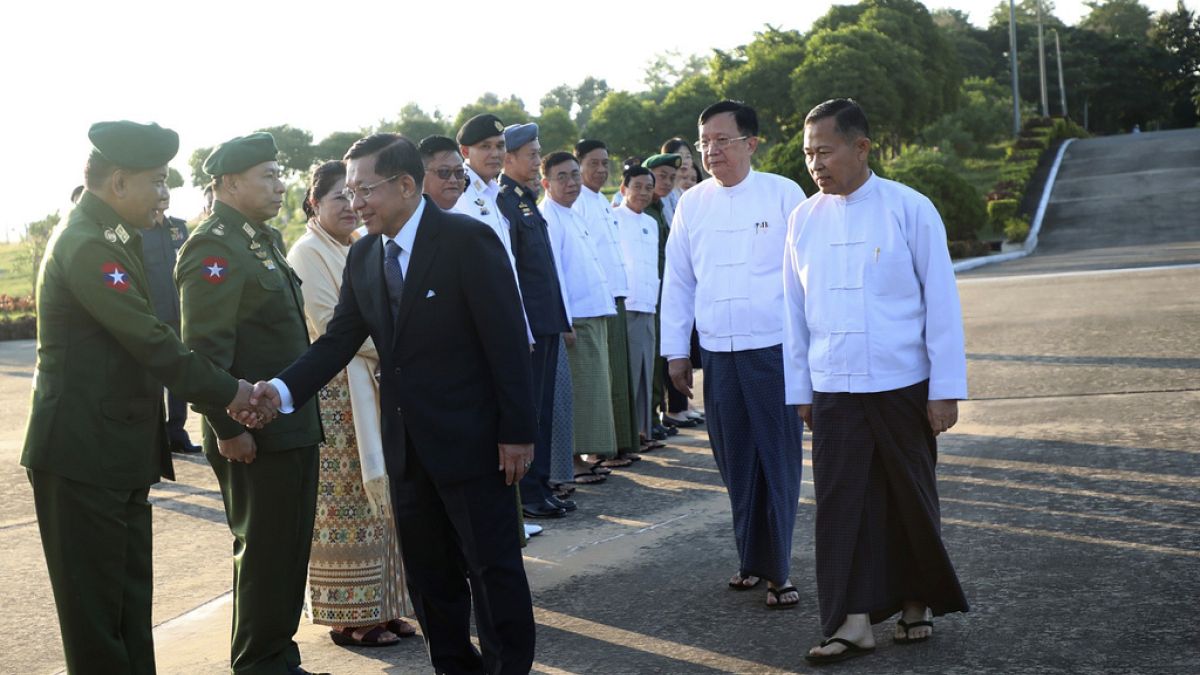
column 602, row 224
column 585, row 287
column 724, row 261
column 639, row 248
column 478, row 200
column 871, row 300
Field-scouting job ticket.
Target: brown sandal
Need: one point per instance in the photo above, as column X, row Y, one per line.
column 363, row 636
column 401, row 628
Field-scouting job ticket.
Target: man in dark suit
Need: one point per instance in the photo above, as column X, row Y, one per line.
column 435, row 291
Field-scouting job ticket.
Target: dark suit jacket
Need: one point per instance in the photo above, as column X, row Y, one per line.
column 455, row 368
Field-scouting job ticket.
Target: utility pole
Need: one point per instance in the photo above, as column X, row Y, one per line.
column 1012, row 54
column 1042, row 62
column 1062, row 88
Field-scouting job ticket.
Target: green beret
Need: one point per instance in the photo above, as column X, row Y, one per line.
column 479, row 128
column 238, row 154
column 667, row 159
column 134, row 146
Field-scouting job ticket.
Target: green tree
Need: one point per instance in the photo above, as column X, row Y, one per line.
column 335, row 145
column 556, row 131
column 625, row 123
column 1026, row 15
column 414, row 124
column 510, row 110
column 1118, row 18
column 295, row 147
column 976, row 57
column 174, row 178
column 588, row 95
column 1177, row 34
column 669, row 68
column 37, row 234
column 873, row 69
column 679, row 112
column 562, row 96
column 984, row 116
column 196, row 164
column 753, row 73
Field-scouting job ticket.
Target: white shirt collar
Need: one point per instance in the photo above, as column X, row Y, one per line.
column 408, row 232
column 864, row 191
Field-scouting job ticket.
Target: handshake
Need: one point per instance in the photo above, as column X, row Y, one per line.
column 256, row 405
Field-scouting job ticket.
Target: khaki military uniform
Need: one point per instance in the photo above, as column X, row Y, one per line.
column 96, row 438
column 242, row 307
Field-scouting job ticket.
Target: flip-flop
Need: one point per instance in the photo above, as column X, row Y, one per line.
column 615, row 462
column 851, row 651
column 633, row 457
column 739, row 586
column 779, row 603
column 371, row 638
column 599, row 469
column 907, row 626
column 652, row 445
column 589, row 478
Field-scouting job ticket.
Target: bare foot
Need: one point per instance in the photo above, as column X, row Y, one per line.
column 915, row 612
column 856, row 629
column 782, row 595
column 743, row 583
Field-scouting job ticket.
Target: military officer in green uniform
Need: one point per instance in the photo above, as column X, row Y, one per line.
column 242, row 308
column 97, row 439
column 664, row 167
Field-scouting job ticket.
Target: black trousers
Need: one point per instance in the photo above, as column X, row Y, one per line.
column 535, row 486
column 458, row 546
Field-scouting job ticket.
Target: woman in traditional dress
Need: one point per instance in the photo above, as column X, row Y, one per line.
column 355, row 578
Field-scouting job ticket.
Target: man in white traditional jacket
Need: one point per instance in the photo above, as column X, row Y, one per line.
column 602, row 223
column 876, row 364
column 724, row 274
column 591, row 303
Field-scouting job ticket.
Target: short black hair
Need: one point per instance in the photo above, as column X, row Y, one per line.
column 554, row 159
column 743, row 115
column 586, row 145
column 849, row 117
column 432, row 145
column 634, row 171
column 324, row 177
column 396, row 155
column 673, row 145
column 97, row 170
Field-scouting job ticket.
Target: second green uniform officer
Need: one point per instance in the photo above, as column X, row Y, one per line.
column 242, row 307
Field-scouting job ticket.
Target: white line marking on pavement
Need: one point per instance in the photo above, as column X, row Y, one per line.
column 1081, row 273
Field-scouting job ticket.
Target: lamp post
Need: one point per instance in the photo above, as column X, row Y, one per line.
column 1012, row 54
column 1042, row 62
column 1062, row 88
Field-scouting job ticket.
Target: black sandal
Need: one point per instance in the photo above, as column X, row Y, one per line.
column 852, row 650
column 779, row 603
column 907, row 626
column 740, row 586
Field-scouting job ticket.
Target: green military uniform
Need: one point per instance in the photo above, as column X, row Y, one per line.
column 658, row 401
column 242, row 307
column 96, row 438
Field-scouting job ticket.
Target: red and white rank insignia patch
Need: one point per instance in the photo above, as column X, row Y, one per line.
column 214, row 269
column 115, row 276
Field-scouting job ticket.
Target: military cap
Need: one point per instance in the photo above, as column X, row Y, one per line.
column 516, row 135
column 478, row 128
column 664, row 159
column 132, row 145
column 238, row 154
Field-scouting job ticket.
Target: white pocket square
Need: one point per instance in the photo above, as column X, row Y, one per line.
column 430, row 294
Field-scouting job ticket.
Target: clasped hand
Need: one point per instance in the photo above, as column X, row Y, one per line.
column 254, row 406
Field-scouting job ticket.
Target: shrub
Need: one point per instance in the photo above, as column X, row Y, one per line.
column 18, row 328
column 787, row 159
column 956, row 200
column 1000, row 210
column 968, row 249
column 1016, row 229
column 1037, row 123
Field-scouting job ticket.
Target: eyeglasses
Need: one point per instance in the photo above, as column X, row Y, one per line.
column 564, row 177
column 445, row 174
column 365, row 191
column 705, row 145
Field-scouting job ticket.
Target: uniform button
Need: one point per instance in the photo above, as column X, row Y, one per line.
column 399, row 410
column 397, row 371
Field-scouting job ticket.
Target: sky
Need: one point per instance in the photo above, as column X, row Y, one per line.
column 216, row 69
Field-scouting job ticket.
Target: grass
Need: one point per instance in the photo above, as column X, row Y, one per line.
column 16, row 278
column 983, row 172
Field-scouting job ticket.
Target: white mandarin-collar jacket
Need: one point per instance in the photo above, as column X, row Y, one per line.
column 639, row 247
column 724, row 256
column 585, row 289
column 600, row 218
column 871, row 299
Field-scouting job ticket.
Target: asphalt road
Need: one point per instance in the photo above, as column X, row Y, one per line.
column 1070, row 494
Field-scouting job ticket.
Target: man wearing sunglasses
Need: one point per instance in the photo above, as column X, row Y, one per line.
column 445, row 177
